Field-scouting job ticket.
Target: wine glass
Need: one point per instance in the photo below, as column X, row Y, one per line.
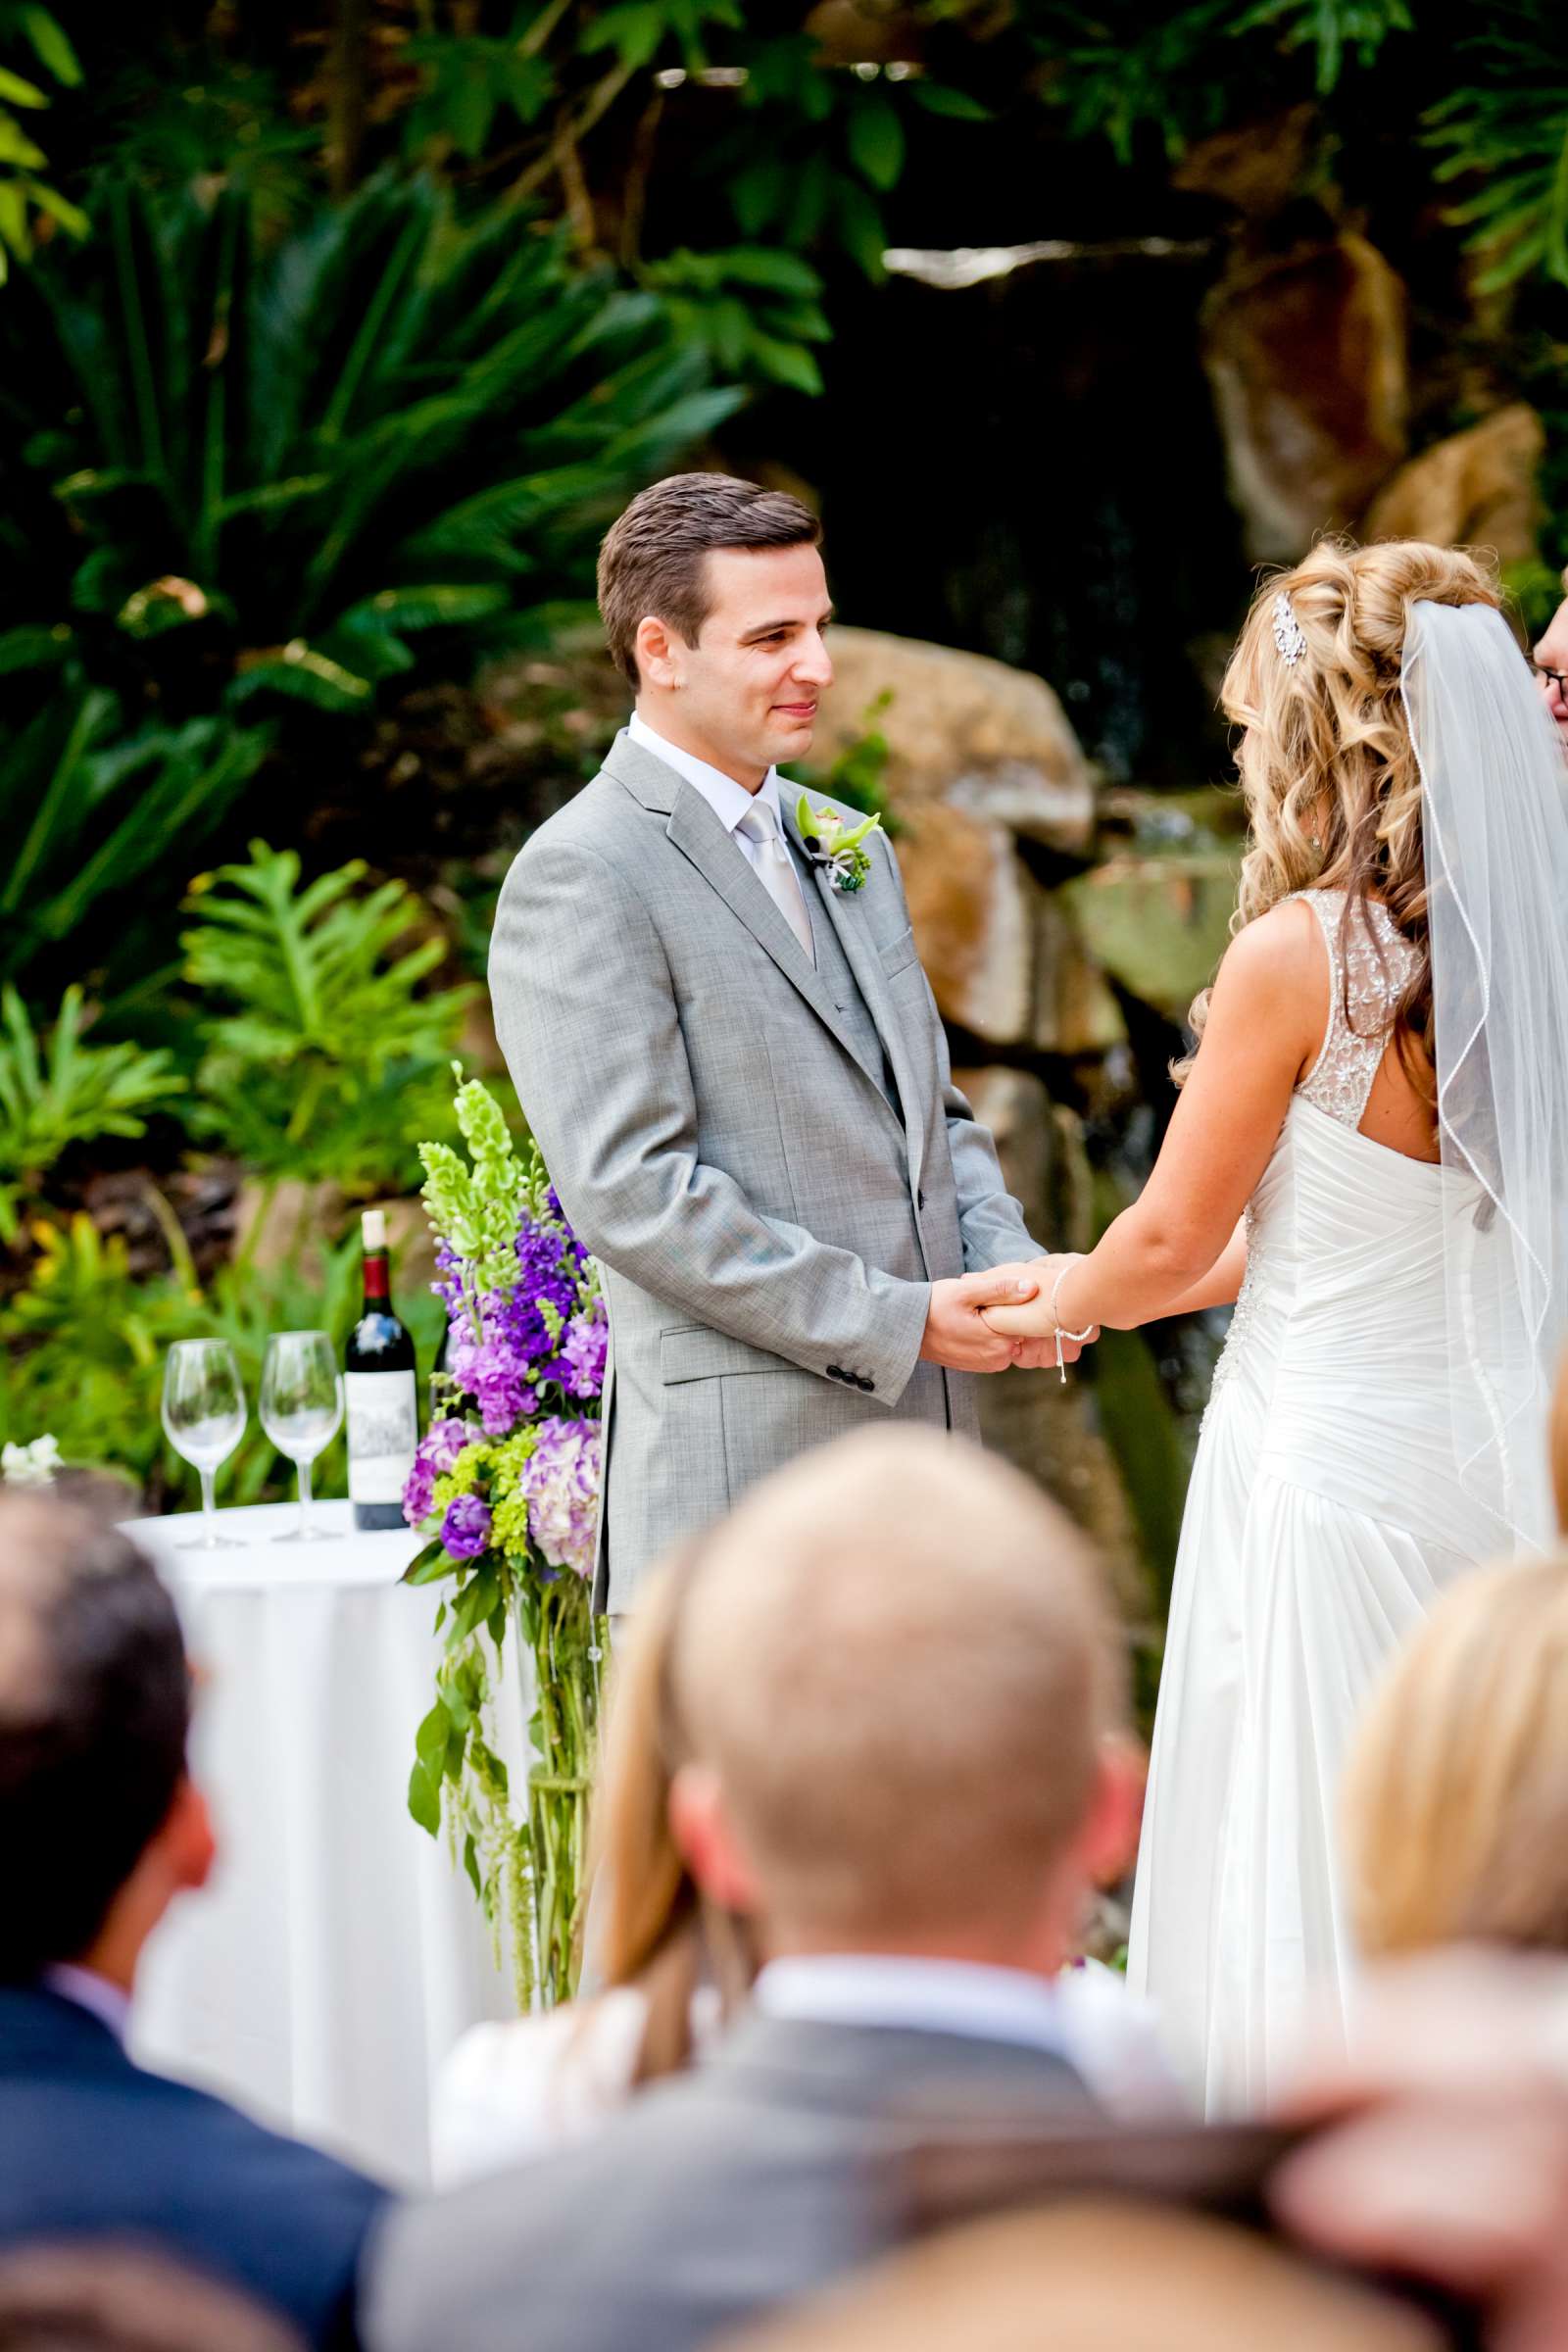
column 302, row 1406
column 204, row 1417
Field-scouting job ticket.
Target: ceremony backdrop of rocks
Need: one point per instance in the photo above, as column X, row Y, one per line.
column 1166, row 292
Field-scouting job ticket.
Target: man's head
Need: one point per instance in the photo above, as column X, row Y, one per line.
column 99, row 1824
column 897, row 1675
column 1552, row 666
column 714, row 600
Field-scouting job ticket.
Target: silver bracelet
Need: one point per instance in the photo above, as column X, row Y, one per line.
column 1077, row 1337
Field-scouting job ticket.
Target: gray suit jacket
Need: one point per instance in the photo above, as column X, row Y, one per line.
column 761, row 2176
column 767, row 1223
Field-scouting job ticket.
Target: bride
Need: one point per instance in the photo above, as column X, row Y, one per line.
column 1370, row 1156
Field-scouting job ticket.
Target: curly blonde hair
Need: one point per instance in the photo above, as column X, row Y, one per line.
column 1326, row 747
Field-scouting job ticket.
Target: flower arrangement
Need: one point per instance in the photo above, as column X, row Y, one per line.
column 506, row 1485
column 832, row 842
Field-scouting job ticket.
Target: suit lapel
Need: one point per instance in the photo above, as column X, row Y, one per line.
column 844, row 913
column 700, row 837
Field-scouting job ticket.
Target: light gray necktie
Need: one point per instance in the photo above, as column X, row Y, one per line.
column 775, row 871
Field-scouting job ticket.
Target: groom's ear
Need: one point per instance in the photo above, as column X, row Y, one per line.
column 659, row 649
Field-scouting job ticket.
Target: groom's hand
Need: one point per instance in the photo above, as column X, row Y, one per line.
column 957, row 1334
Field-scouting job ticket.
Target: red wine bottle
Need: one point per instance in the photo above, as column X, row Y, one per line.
column 379, row 1393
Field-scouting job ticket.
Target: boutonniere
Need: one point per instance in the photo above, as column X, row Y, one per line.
column 834, row 845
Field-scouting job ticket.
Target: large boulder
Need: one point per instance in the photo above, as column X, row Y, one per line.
column 1306, row 357
column 960, row 729
column 1476, row 488
column 1158, row 926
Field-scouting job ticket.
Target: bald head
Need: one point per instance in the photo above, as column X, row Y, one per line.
column 894, row 1658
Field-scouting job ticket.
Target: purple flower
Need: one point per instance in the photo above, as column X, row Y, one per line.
column 439, row 1449
column 561, row 1480
column 465, row 1529
column 583, row 1348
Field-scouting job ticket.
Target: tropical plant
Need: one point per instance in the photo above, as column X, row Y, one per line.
column 326, row 1055
column 88, row 806
column 1507, row 129
column 252, row 478
column 60, row 1089
column 33, row 32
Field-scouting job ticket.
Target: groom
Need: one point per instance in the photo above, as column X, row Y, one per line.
column 732, row 1065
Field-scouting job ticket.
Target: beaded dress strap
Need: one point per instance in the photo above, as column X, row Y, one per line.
column 1377, row 970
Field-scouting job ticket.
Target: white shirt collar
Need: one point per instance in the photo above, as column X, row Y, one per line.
column 932, row 1996
column 107, row 2003
column 728, row 800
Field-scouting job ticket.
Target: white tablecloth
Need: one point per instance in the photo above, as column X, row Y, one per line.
column 338, row 1953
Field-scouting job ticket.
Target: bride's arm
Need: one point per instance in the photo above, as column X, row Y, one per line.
column 1220, row 1284
column 1172, row 1251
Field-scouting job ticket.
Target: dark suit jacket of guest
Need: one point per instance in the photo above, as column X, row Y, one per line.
column 754, row 2179
column 93, row 2145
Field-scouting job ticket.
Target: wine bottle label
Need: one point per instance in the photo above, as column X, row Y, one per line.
column 383, row 1432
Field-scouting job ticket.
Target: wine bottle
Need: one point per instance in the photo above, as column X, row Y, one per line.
column 379, row 1393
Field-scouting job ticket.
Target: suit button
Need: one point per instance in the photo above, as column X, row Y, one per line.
column 837, row 1372
column 866, row 1385
column 920, row 1200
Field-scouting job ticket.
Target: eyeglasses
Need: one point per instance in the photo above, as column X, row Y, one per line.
column 1551, row 677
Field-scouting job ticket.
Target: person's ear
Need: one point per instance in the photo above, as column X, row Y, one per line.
column 1108, row 1840
column 187, row 1837
column 707, row 1841
column 658, row 650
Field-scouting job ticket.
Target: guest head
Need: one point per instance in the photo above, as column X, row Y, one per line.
column 100, row 1824
column 714, row 600
column 654, row 1930
column 898, row 1683
column 1456, row 1789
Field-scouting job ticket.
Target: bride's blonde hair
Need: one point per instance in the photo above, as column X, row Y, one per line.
column 1327, row 749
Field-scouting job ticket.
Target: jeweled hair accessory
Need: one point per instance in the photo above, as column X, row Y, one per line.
column 1288, row 630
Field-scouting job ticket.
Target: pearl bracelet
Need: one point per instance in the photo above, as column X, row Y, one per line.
column 1077, row 1337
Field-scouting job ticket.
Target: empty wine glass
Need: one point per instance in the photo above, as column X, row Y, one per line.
column 204, row 1417
column 302, row 1406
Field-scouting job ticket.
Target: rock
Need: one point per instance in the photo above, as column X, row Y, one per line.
column 1158, row 925
column 970, row 905
column 1475, row 489
column 961, row 728
column 1259, row 167
column 1074, row 1011
column 1041, row 1146
column 1306, row 353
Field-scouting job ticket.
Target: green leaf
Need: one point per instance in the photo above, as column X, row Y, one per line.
column 940, row 98
column 876, row 143
column 50, row 44
column 470, row 1863
column 431, row 1740
column 424, row 1799
column 19, row 92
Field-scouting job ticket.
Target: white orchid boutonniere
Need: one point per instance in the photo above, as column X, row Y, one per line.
column 832, row 842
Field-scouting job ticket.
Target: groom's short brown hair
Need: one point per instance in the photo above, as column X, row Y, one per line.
column 652, row 557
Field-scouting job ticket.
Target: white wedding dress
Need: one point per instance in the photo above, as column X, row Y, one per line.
column 1324, row 1515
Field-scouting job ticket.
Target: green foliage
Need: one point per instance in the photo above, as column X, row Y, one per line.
column 31, row 35
column 88, row 807
column 755, row 310
column 62, row 1091
column 1507, row 130
column 859, row 774
column 476, row 1208
column 87, row 1341
column 330, row 1055
column 259, row 475
column 1121, row 69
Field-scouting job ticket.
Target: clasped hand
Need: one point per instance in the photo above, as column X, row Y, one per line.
column 992, row 1321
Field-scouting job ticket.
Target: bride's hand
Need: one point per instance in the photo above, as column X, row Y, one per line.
column 1034, row 1319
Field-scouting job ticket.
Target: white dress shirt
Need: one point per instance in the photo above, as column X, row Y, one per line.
column 728, row 800
column 1085, row 2015
column 106, row 2001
